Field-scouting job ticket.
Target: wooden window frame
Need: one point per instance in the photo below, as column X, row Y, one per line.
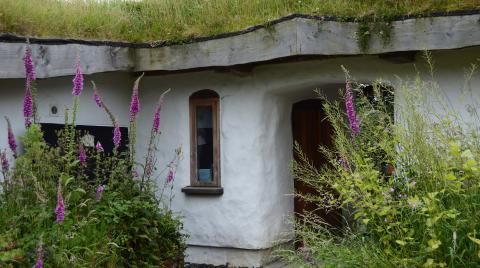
column 214, row 103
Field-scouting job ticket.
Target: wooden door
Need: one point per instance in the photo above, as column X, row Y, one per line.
column 311, row 129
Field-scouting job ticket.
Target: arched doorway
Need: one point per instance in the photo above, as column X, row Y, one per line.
column 310, row 129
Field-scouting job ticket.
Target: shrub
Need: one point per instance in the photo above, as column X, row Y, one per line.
column 408, row 187
column 71, row 205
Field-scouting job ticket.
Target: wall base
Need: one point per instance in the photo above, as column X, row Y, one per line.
column 204, row 256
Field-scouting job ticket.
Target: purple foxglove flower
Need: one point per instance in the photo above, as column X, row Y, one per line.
column 135, row 102
column 60, row 209
column 29, row 66
column 158, row 109
column 170, row 176
column 117, row 135
column 12, row 143
column 350, row 107
column 156, row 118
column 82, row 155
column 77, row 80
column 99, row 147
column 96, row 97
column 28, row 106
column 392, row 190
column 134, row 105
column 28, row 122
column 39, row 263
column 98, row 193
column 5, row 164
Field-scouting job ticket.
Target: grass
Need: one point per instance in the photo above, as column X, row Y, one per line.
column 149, row 20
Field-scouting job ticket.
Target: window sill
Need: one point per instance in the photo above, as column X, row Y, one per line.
column 192, row 190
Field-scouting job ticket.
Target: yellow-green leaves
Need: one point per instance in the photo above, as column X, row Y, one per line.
column 455, row 149
column 450, row 176
column 475, row 240
column 431, row 263
column 433, row 244
column 470, row 165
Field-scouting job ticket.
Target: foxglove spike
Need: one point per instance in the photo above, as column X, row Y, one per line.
column 28, row 106
column 350, row 108
column 60, row 208
column 170, row 176
column 82, row 155
column 156, row 116
column 156, row 119
column 135, row 102
column 29, row 66
column 98, row 193
column 117, row 135
column 12, row 143
column 39, row 263
column 96, row 97
column 99, row 147
column 5, row 164
column 78, row 79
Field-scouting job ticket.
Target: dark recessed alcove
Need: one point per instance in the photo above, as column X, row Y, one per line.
column 104, row 134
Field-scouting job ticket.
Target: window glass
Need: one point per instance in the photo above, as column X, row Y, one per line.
column 204, row 145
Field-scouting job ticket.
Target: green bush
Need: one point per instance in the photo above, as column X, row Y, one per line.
column 112, row 216
column 424, row 213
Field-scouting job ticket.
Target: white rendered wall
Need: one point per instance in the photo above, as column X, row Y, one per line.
column 250, row 151
column 256, row 139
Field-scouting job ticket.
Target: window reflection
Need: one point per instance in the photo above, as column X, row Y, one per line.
column 204, row 143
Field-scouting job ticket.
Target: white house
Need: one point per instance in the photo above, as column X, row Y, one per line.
column 236, row 104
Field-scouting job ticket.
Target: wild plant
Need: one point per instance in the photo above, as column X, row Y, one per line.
column 80, row 206
column 407, row 184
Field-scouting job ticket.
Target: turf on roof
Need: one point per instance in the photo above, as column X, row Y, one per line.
column 149, row 20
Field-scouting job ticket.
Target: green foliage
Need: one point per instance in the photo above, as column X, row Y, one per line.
column 127, row 226
column 148, row 234
column 180, row 20
column 425, row 213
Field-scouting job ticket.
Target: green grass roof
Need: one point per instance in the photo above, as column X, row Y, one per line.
column 149, row 20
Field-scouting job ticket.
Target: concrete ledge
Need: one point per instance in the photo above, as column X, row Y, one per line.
column 286, row 37
column 226, row 257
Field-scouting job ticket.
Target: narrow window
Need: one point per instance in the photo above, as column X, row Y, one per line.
column 205, row 140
